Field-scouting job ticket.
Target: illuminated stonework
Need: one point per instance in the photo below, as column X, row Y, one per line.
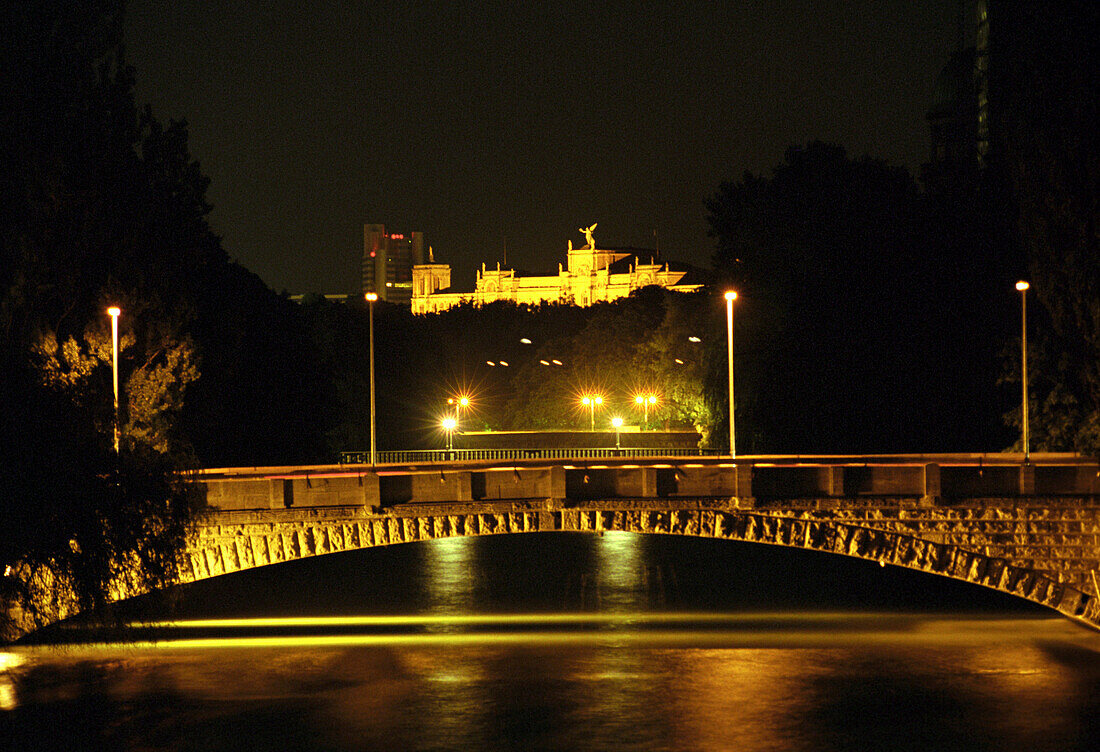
column 590, row 275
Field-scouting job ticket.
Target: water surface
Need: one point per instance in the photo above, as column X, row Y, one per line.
column 618, row 642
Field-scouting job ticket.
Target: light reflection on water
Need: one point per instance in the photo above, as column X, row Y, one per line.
column 575, row 643
column 1026, row 684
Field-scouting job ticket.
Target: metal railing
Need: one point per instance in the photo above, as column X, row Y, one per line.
column 457, row 455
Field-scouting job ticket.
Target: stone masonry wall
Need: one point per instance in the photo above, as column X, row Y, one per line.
column 1045, row 550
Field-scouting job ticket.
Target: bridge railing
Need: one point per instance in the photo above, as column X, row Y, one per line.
column 563, row 453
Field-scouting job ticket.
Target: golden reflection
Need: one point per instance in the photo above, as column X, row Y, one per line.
column 620, row 571
column 8, row 698
column 752, row 695
column 452, row 582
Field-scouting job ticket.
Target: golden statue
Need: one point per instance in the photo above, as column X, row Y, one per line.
column 587, row 232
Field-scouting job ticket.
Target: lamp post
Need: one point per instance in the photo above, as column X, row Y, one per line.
column 730, row 297
column 449, row 424
column 645, row 400
column 459, row 404
column 371, row 298
column 590, row 401
column 617, row 422
column 114, row 312
column 1023, row 286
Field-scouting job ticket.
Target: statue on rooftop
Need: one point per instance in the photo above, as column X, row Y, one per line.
column 587, row 232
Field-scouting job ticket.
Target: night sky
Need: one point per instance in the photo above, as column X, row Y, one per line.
column 496, row 123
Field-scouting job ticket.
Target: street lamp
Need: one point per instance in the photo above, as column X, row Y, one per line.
column 645, row 400
column 114, row 312
column 449, row 424
column 618, row 423
column 1023, row 286
column 371, row 298
column 591, row 401
column 462, row 402
column 730, row 297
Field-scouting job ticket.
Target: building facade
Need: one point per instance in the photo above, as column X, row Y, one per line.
column 388, row 262
column 590, row 275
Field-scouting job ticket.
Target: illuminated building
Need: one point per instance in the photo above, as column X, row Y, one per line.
column 590, row 275
column 388, row 261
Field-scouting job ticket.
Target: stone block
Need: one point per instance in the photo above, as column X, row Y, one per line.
column 442, row 486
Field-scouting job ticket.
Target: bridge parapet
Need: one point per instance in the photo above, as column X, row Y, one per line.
column 749, row 481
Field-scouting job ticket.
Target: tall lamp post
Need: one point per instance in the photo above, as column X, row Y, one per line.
column 591, row 401
column 645, row 400
column 1023, row 286
column 371, row 298
column 730, row 297
column 114, row 312
column 449, row 424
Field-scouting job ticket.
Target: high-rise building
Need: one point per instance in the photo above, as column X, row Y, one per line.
column 388, row 261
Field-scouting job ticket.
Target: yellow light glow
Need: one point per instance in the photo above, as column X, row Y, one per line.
column 448, row 424
column 617, row 422
column 599, row 400
column 1022, row 285
column 639, row 400
column 372, row 296
column 114, row 311
column 586, row 400
column 464, row 401
column 731, row 295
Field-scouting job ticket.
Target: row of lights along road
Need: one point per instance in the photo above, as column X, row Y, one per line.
column 591, row 401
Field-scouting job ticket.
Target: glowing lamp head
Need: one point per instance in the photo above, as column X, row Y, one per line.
column 114, row 311
column 371, row 297
column 463, row 401
column 1021, row 285
column 653, row 399
column 639, row 400
column 448, row 424
column 598, row 400
column 586, row 400
column 731, row 295
column 617, row 422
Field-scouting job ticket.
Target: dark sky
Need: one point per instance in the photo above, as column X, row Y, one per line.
column 494, row 122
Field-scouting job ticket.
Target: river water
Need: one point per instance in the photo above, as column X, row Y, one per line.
column 564, row 642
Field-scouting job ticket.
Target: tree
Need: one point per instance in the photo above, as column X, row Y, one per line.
column 855, row 312
column 1043, row 96
column 99, row 204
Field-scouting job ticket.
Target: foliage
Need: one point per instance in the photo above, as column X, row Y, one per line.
column 100, row 204
column 617, row 349
column 1048, row 152
column 860, row 307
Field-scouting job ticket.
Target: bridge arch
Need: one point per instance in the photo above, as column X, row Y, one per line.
column 230, row 542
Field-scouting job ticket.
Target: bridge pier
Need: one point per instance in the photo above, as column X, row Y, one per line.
column 1027, row 480
column 932, row 483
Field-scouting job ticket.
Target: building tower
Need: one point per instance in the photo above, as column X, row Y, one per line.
column 388, row 261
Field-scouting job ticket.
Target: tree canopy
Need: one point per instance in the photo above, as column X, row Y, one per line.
column 102, row 205
column 862, row 308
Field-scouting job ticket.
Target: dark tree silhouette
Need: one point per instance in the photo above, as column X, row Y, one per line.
column 859, row 310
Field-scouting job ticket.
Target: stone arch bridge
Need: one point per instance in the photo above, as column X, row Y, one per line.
column 1030, row 530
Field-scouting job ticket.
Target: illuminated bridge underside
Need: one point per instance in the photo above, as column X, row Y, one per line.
column 1044, row 550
